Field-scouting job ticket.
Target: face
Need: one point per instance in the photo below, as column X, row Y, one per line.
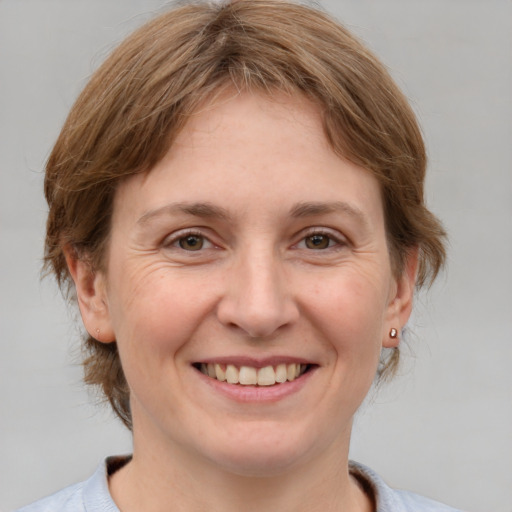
column 249, row 289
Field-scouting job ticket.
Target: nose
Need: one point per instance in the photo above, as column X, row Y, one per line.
column 257, row 298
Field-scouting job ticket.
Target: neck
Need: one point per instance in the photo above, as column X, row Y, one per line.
column 175, row 480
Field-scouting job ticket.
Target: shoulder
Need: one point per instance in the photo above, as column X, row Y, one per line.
column 68, row 499
column 92, row 495
column 420, row 503
column 392, row 500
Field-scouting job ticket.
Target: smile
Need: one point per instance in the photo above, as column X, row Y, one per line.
column 251, row 376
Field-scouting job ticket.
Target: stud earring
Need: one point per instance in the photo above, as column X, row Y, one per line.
column 393, row 333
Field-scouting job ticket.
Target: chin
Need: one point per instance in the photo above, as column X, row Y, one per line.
column 261, row 453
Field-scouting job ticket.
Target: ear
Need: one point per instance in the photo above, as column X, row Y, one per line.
column 91, row 293
column 401, row 300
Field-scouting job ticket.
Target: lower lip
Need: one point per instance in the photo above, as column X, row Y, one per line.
column 259, row 394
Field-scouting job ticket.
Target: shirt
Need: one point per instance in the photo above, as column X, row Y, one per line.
column 93, row 494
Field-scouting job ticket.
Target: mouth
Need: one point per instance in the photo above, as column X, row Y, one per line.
column 270, row 375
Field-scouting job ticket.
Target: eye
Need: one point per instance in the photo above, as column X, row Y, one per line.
column 191, row 242
column 317, row 241
column 188, row 241
column 320, row 240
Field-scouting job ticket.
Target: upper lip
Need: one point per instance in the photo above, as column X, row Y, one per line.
column 254, row 362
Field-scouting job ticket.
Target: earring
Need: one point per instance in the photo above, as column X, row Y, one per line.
column 393, row 333
column 97, row 334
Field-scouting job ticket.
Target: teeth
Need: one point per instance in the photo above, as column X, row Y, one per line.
column 220, row 373
column 281, row 373
column 249, row 376
column 266, row 376
column 232, row 374
column 211, row 370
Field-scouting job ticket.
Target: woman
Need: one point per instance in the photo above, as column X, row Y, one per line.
column 237, row 200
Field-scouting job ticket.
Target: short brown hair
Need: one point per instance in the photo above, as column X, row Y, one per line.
column 129, row 113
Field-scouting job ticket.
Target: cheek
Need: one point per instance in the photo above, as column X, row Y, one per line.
column 348, row 309
column 154, row 316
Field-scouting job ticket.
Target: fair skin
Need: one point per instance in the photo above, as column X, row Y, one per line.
column 251, row 244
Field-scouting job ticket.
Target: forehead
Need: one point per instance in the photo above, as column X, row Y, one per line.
column 249, row 147
column 240, row 117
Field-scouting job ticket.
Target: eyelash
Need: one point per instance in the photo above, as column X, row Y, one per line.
column 174, row 240
column 334, row 241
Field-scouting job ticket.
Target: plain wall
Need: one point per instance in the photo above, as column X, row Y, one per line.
column 443, row 428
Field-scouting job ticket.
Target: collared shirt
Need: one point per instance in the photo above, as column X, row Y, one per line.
column 93, row 494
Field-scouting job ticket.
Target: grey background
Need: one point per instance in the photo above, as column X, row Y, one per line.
column 443, row 428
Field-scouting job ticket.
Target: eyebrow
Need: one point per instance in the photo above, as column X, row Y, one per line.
column 311, row 209
column 211, row 211
column 204, row 210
